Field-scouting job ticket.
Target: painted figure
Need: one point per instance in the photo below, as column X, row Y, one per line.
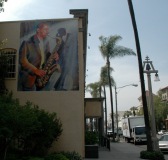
column 33, row 55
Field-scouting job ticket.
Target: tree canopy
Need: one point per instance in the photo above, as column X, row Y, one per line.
column 26, row 128
column 94, row 89
column 104, row 80
column 109, row 47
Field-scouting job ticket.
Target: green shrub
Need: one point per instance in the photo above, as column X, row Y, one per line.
column 35, row 158
column 72, row 155
column 91, row 138
column 12, row 157
column 56, row 156
column 19, row 157
column 155, row 155
column 32, row 129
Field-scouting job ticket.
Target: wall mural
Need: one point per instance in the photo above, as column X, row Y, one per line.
column 48, row 55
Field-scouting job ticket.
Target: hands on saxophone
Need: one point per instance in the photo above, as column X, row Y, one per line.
column 52, row 62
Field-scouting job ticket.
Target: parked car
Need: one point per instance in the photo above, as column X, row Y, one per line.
column 110, row 133
column 161, row 132
column 163, row 142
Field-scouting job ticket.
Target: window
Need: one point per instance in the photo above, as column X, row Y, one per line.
column 11, row 53
column 164, row 96
column 140, row 130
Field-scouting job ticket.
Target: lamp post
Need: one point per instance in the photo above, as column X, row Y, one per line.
column 135, row 85
column 148, row 68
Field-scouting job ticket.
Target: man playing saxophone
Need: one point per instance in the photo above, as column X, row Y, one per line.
column 33, row 55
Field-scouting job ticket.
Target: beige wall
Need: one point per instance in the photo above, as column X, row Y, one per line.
column 93, row 108
column 69, row 105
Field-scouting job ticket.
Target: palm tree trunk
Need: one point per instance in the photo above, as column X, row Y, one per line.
column 111, row 98
column 105, row 109
column 146, row 115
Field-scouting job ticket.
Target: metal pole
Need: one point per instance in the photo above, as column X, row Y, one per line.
column 152, row 115
column 117, row 137
column 135, row 85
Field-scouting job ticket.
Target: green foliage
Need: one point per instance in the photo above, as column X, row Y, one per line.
column 45, row 130
column 91, row 138
column 56, row 156
column 127, row 113
column 72, row 155
column 161, row 111
column 28, row 158
column 104, row 79
column 4, row 65
column 31, row 158
column 26, row 128
column 94, row 89
column 155, row 155
column 140, row 112
column 36, row 158
column 12, row 157
column 109, row 47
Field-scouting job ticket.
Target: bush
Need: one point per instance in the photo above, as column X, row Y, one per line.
column 27, row 128
column 12, row 157
column 72, row 155
column 91, row 138
column 47, row 129
column 35, row 158
column 155, row 155
column 56, row 156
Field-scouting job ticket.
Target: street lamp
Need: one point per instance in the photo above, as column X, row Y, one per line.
column 135, row 85
column 148, row 68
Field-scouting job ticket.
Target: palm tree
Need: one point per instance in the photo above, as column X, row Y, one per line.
column 110, row 49
column 94, row 89
column 133, row 109
column 145, row 108
column 104, row 81
column 127, row 114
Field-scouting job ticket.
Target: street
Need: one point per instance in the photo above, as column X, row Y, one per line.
column 122, row 151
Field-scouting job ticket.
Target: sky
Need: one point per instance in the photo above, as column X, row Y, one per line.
column 110, row 17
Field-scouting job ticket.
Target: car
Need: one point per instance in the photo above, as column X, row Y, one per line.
column 163, row 142
column 161, row 132
column 110, row 133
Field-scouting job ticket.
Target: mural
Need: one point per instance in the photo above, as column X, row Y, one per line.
column 48, row 56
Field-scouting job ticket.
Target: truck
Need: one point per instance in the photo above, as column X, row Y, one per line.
column 134, row 129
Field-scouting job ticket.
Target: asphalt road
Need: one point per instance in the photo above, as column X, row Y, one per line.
column 122, row 151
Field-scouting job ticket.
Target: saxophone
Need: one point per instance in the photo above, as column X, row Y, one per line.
column 50, row 65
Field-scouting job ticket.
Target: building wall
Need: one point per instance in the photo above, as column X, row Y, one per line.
column 69, row 105
column 165, row 94
column 93, row 109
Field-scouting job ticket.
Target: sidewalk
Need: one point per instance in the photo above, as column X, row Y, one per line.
column 121, row 151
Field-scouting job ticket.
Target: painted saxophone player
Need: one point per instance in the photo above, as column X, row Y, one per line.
column 36, row 61
column 52, row 62
column 48, row 56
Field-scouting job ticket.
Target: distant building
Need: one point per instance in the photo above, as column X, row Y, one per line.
column 164, row 93
column 120, row 116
